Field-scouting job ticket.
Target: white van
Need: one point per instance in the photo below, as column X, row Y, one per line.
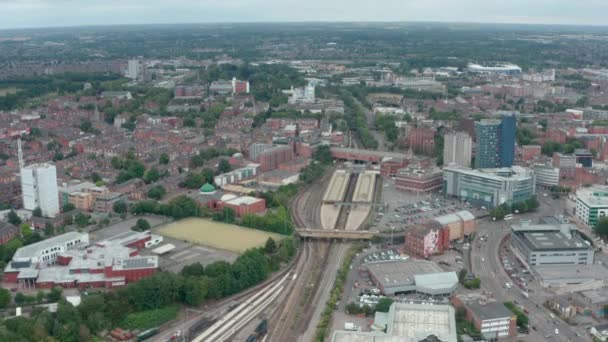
column 508, row 217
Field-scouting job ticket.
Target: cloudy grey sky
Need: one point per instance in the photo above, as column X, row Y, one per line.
column 44, row 13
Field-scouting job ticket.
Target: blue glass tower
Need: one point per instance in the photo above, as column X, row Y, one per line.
column 495, row 142
column 507, row 140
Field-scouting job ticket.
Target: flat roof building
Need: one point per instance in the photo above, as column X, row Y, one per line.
column 412, row 276
column 491, row 318
column 489, row 187
column 69, row 261
column 547, row 244
column 592, row 204
column 409, row 323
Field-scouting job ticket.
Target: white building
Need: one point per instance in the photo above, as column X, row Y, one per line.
column 500, row 69
column 546, row 175
column 39, row 188
column 301, row 95
column 134, row 69
column 592, row 204
column 457, row 149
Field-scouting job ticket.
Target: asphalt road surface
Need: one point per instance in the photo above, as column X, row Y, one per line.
column 486, row 264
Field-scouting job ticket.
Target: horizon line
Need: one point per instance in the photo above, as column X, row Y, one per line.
column 211, row 23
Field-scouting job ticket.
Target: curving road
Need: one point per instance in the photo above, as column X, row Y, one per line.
column 485, row 262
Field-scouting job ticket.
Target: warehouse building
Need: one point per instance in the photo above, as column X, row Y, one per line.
column 411, row 275
column 407, row 322
column 458, row 224
column 592, row 204
column 489, row 187
column 550, row 245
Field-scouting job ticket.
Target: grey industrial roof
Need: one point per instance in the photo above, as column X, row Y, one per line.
column 553, row 241
column 401, row 272
column 440, row 280
column 491, row 310
column 455, row 217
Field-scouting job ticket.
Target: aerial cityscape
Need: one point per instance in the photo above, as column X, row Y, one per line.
column 357, row 180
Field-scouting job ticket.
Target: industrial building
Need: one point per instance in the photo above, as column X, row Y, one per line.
column 457, row 149
column 402, row 276
column 411, row 322
column 39, row 188
column 426, row 240
column 491, row 318
column 489, row 187
column 550, row 245
column 591, row 204
column 70, row 261
column 495, row 142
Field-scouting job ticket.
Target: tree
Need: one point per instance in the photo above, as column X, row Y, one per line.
column 601, row 228
column 119, row 207
column 68, row 207
column 224, row 166
column 54, row 295
column 142, row 224
column 13, row 218
column 164, row 159
column 82, row 220
column 95, row 177
column 384, row 304
column 271, row 246
column 19, row 298
column 151, row 175
column 156, row 192
column 37, row 212
column 5, row 298
column 49, row 229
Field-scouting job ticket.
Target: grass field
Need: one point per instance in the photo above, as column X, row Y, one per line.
column 216, row 234
column 6, row 91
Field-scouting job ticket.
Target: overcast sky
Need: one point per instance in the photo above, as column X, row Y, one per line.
column 44, row 13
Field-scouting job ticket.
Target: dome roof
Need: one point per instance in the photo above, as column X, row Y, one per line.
column 207, row 188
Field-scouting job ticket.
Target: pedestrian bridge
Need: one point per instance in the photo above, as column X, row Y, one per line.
column 337, row 234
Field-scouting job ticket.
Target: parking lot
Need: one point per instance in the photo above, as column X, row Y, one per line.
column 403, row 209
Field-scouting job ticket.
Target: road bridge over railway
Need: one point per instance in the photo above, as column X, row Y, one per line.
column 336, row 234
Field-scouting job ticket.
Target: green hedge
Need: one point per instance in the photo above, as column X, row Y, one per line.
column 150, row 318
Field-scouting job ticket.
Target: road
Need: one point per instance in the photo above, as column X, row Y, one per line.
column 487, row 266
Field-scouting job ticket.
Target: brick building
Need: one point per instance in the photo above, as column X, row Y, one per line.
column 421, row 140
column 426, row 240
column 419, row 180
column 270, row 159
column 529, row 152
column 491, row 318
column 7, row 232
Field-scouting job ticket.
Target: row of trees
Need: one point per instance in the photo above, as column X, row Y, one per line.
column 105, row 310
column 357, row 120
column 521, row 207
column 571, row 144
